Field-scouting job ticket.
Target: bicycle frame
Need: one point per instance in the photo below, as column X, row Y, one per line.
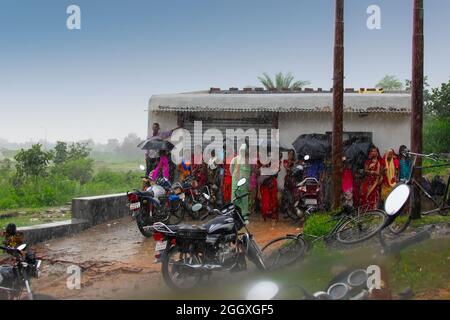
column 333, row 230
column 439, row 207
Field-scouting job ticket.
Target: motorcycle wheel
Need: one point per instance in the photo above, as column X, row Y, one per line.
column 175, row 275
column 177, row 213
column 288, row 205
column 143, row 219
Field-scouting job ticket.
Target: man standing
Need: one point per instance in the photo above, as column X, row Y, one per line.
column 151, row 156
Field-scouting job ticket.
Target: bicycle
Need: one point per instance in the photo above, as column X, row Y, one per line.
column 400, row 211
column 352, row 227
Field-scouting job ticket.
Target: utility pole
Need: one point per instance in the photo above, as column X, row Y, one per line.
column 417, row 96
column 338, row 103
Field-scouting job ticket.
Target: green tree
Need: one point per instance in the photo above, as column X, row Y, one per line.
column 80, row 170
column 436, row 134
column 281, row 81
column 32, row 162
column 390, row 83
column 426, row 90
column 60, row 152
column 78, row 151
column 439, row 102
column 5, row 168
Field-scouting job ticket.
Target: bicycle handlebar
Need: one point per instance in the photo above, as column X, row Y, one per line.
column 431, row 156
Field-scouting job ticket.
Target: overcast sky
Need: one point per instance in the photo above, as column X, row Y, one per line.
column 96, row 82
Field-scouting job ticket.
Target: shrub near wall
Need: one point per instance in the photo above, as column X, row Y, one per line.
column 55, row 190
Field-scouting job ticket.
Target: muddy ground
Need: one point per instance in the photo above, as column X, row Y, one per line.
column 117, row 262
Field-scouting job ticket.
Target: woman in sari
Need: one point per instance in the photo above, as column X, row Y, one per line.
column 199, row 168
column 390, row 173
column 240, row 168
column 162, row 168
column 268, row 195
column 370, row 194
column 405, row 163
column 227, row 179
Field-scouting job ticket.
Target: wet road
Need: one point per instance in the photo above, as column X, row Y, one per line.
column 117, row 262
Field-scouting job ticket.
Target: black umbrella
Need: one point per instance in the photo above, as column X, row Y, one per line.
column 317, row 146
column 356, row 150
column 356, row 154
column 155, row 144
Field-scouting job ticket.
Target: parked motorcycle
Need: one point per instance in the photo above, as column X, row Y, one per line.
column 192, row 194
column 15, row 278
column 157, row 203
column 188, row 253
column 302, row 198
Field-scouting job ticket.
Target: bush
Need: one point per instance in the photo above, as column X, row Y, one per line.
column 77, row 170
column 319, row 224
column 437, row 135
column 57, row 189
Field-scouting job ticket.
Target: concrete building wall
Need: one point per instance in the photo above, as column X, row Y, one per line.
column 390, row 130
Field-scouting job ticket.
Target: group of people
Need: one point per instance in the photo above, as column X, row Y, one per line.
column 370, row 186
column 364, row 186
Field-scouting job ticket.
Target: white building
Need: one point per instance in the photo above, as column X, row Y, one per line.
column 385, row 117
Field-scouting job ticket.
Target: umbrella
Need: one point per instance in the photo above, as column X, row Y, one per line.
column 317, row 146
column 356, row 153
column 356, row 150
column 155, row 144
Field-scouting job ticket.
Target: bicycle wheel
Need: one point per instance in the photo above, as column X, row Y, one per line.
column 401, row 222
column 283, row 251
column 361, row 227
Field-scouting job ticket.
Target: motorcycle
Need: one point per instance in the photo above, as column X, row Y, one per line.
column 160, row 202
column 302, row 198
column 15, row 278
column 192, row 194
column 188, row 253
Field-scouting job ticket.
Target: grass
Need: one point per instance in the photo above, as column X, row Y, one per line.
column 31, row 216
column 43, row 193
column 431, row 172
column 132, row 166
column 423, row 267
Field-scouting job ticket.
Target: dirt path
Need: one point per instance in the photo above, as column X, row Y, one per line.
column 116, row 260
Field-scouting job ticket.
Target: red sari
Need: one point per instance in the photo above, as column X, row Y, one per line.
column 268, row 190
column 227, row 181
column 227, row 186
column 370, row 189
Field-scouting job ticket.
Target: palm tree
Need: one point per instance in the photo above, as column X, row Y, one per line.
column 281, row 81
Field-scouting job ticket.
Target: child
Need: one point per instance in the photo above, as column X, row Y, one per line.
column 347, row 183
column 13, row 238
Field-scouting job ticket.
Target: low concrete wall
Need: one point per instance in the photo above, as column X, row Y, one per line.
column 99, row 209
column 47, row 231
column 86, row 212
